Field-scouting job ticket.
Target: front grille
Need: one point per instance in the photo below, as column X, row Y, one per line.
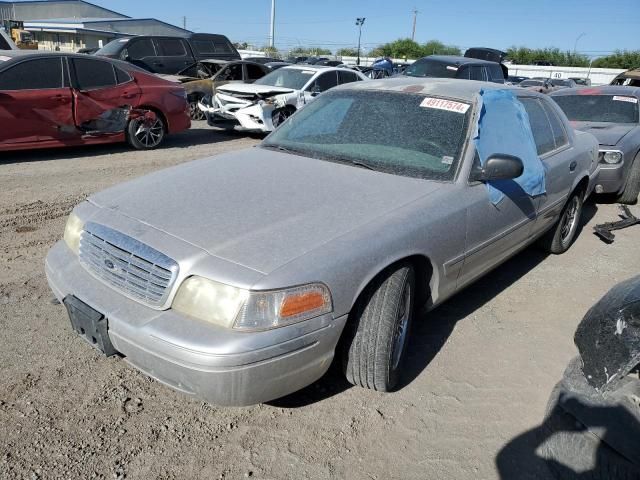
column 128, row 265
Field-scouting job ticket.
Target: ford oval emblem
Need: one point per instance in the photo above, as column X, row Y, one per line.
column 109, row 264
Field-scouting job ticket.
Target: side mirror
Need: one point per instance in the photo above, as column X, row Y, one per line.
column 499, row 167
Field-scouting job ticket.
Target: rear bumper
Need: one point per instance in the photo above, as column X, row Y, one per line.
column 235, row 368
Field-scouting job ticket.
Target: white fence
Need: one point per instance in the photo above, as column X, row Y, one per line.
column 598, row 76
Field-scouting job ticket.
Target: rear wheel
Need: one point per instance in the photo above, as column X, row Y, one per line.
column 375, row 352
column 146, row 133
column 563, row 233
column 629, row 195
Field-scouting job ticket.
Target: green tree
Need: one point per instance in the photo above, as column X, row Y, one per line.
column 407, row 48
column 619, row 59
column 241, row 45
column 313, row 51
column 349, row 52
column 270, row 51
column 529, row 56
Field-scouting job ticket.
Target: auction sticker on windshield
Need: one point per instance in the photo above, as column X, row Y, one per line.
column 448, row 105
column 625, row 99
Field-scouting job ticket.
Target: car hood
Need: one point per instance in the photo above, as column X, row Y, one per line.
column 248, row 88
column 259, row 208
column 608, row 134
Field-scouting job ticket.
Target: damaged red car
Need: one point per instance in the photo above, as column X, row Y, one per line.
column 57, row 100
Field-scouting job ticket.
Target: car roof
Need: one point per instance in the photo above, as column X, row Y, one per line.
column 444, row 87
column 602, row 90
column 317, row 68
column 457, row 60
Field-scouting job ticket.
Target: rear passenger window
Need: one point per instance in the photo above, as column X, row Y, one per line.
column 540, row 125
column 137, row 49
column 476, row 72
column 347, row 77
column 94, row 74
column 122, row 76
column 42, row 73
column 171, row 47
column 495, row 73
column 559, row 134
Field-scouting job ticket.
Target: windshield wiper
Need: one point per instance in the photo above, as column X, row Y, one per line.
column 363, row 165
column 280, row 148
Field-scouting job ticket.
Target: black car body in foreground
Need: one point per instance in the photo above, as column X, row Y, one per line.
column 593, row 416
column 611, row 114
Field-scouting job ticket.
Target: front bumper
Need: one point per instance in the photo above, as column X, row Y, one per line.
column 253, row 117
column 611, row 178
column 211, row 363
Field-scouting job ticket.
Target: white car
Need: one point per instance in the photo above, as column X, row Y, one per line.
column 269, row 101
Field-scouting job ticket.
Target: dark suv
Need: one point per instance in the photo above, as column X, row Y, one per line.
column 170, row 55
column 449, row 66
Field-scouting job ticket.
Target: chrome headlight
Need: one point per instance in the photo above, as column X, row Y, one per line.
column 610, row 156
column 232, row 307
column 72, row 232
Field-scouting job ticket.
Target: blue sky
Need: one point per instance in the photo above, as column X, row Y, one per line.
column 331, row 23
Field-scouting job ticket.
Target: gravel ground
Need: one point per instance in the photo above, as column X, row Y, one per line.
column 480, row 371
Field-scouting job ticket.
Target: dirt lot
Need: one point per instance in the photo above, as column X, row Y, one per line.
column 480, row 371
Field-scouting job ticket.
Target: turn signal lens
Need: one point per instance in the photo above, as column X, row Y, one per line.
column 296, row 304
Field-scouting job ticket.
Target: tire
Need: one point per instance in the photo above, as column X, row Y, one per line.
column 563, row 233
column 142, row 136
column 279, row 115
column 569, row 447
column 375, row 351
column 629, row 195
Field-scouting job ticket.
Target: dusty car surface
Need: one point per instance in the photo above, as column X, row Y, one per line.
column 222, row 73
column 269, row 101
column 234, row 278
column 450, row 66
column 58, row 99
column 612, row 115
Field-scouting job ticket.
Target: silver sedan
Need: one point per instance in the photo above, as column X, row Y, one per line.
column 234, row 278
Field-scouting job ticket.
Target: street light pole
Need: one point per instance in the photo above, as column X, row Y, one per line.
column 272, row 33
column 359, row 23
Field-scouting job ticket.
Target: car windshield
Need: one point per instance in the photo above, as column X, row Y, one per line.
column 599, row 108
column 399, row 133
column 430, row 68
column 294, row 78
column 113, row 47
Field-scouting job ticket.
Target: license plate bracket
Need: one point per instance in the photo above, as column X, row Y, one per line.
column 90, row 324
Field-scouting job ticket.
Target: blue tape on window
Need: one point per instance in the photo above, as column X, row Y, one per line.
column 503, row 127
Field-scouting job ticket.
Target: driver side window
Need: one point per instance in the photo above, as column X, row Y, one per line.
column 325, row 82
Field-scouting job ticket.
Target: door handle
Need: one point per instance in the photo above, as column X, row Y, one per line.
column 128, row 95
column 572, row 166
column 59, row 98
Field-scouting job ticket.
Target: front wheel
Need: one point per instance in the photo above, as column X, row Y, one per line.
column 146, row 132
column 629, row 195
column 375, row 352
column 563, row 233
column 194, row 110
column 279, row 115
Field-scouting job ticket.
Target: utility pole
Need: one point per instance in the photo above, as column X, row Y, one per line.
column 184, row 22
column 413, row 30
column 272, row 33
column 359, row 23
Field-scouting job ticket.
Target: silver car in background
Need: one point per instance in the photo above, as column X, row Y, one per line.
column 612, row 115
column 233, row 278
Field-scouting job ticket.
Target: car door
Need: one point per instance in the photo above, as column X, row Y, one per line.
column 102, row 92
column 556, row 153
column 174, row 54
column 494, row 232
column 36, row 101
column 142, row 53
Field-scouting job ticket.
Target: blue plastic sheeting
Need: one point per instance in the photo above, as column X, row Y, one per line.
column 503, row 127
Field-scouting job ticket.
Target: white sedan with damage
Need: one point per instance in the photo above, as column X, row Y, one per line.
column 269, row 101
